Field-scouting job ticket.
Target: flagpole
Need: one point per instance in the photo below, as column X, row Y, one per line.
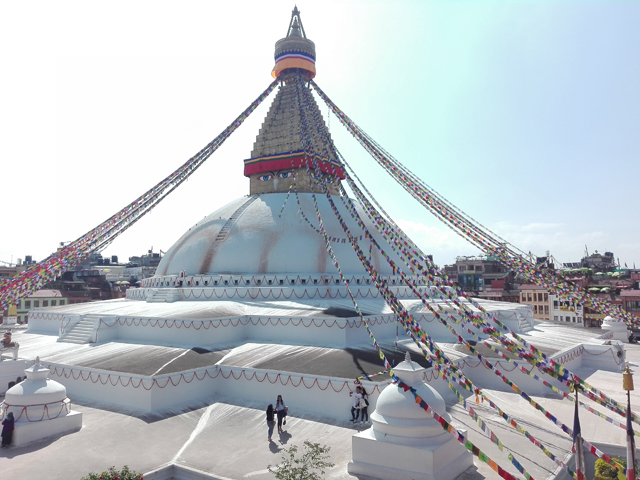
column 577, row 436
column 627, row 384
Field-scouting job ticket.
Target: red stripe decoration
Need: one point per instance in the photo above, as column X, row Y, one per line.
column 286, row 161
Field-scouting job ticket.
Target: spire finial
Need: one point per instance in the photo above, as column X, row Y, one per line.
column 295, row 50
column 295, row 25
column 407, row 357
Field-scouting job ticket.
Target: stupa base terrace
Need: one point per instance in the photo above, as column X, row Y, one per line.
column 325, row 318
column 186, row 360
column 179, row 401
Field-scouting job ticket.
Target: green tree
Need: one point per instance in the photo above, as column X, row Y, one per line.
column 113, row 474
column 314, row 457
column 605, row 471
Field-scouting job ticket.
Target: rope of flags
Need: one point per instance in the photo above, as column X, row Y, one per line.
column 402, row 315
column 464, row 225
column 474, row 235
column 547, row 414
column 34, row 277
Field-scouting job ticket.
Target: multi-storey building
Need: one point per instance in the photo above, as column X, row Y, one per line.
column 565, row 311
column 631, row 301
column 479, row 274
column 538, row 298
column 41, row 298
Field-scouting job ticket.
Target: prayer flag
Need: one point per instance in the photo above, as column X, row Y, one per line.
column 577, row 444
column 631, row 448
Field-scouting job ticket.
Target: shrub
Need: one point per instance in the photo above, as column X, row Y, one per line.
column 314, row 457
column 604, row 471
column 113, row 474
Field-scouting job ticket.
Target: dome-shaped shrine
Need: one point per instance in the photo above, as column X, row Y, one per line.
column 273, row 234
column 396, row 413
column 36, row 398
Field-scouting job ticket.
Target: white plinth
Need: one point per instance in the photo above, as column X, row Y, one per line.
column 619, row 329
column 25, row 433
column 443, row 459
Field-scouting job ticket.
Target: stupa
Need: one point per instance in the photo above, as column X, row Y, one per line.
column 248, row 304
column 256, row 276
column 40, row 407
column 404, row 442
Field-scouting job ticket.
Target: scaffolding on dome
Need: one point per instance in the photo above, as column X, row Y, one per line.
column 470, row 316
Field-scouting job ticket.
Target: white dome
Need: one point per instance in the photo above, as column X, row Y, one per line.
column 35, row 392
column 36, row 398
column 250, row 235
column 397, row 412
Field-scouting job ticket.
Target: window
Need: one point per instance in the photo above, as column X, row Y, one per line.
column 461, row 268
column 555, row 317
column 529, row 297
column 546, row 297
column 579, row 319
column 36, row 303
column 19, row 318
column 27, row 304
column 45, row 303
column 524, row 297
column 535, row 309
column 53, row 303
column 633, row 306
column 478, row 268
column 62, row 302
column 546, row 309
column 555, row 304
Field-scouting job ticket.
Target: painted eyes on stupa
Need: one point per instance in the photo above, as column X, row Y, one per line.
column 285, row 174
column 265, row 178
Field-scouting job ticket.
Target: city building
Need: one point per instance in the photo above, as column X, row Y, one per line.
column 538, row 298
column 39, row 299
column 565, row 311
column 631, row 301
column 475, row 274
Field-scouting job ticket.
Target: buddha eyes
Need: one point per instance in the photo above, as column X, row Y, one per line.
column 265, row 178
column 286, row 175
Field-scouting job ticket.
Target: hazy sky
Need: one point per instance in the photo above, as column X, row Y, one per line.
column 526, row 115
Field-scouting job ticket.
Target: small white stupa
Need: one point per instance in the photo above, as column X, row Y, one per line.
column 619, row 329
column 405, row 442
column 40, row 407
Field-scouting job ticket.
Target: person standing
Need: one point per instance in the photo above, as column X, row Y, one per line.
column 270, row 421
column 355, row 408
column 7, row 430
column 364, row 406
column 281, row 411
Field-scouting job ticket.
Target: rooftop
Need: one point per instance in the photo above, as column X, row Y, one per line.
column 46, row 294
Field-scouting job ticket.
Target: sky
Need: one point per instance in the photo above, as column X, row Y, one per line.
column 523, row 114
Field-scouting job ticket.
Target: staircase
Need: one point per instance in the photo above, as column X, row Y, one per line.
column 162, row 295
column 224, row 231
column 82, row 332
